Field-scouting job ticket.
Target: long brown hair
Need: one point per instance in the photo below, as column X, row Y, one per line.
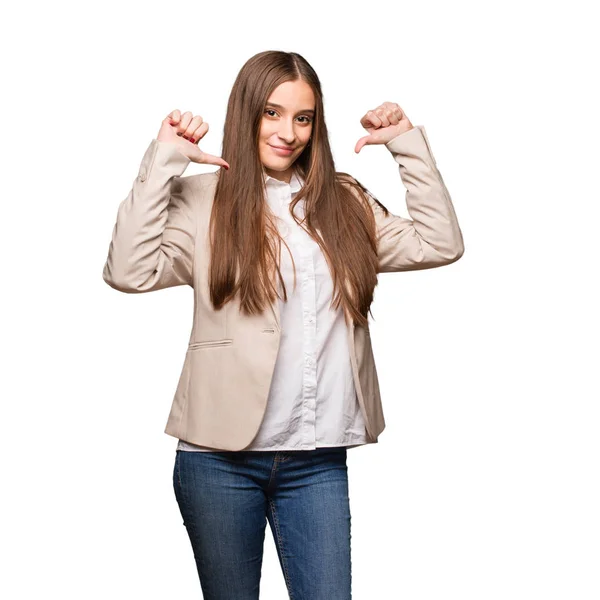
column 244, row 240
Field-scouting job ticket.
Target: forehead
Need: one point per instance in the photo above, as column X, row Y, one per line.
column 293, row 95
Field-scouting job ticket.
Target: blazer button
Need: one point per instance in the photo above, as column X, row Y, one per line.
column 142, row 174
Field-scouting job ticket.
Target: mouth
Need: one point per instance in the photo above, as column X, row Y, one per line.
column 282, row 150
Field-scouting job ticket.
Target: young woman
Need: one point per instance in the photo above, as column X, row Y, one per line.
column 279, row 378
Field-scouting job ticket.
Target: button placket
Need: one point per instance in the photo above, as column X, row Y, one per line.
column 305, row 274
column 299, row 341
column 309, row 313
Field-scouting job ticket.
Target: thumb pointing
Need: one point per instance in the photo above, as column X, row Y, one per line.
column 214, row 160
column 362, row 142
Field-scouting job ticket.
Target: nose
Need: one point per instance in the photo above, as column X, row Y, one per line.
column 286, row 132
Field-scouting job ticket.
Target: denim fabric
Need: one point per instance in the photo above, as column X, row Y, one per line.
column 226, row 499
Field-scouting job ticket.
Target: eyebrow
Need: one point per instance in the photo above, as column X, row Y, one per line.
column 307, row 110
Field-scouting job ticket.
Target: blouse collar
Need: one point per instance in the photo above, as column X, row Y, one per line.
column 296, row 181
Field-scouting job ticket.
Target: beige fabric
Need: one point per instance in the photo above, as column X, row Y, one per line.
column 160, row 240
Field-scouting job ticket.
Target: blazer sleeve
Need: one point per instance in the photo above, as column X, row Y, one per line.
column 153, row 239
column 432, row 236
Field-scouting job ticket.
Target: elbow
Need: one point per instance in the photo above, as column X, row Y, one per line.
column 121, row 284
column 459, row 247
column 458, row 250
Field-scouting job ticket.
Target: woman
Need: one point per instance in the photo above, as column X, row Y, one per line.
column 279, row 377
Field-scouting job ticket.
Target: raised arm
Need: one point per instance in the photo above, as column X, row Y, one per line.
column 152, row 244
column 432, row 236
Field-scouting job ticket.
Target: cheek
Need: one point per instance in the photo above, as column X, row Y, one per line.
column 265, row 130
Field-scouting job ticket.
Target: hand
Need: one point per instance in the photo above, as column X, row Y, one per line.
column 383, row 124
column 185, row 132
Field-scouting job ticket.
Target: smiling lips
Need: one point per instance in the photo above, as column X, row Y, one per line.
column 282, row 151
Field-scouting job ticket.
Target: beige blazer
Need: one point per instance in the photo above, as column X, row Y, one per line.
column 160, row 240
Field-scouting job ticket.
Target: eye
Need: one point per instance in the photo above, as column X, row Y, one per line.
column 308, row 119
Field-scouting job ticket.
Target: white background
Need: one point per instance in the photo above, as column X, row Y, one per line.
column 484, row 484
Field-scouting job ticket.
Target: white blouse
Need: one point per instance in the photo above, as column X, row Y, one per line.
column 312, row 401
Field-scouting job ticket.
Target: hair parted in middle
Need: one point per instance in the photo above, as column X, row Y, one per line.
column 338, row 212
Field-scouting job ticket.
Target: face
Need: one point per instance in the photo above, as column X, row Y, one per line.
column 287, row 122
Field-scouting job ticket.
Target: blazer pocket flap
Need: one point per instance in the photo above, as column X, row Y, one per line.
column 209, row 344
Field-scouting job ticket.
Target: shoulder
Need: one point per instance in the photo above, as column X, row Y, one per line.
column 346, row 179
column 201, row 180
column 361, row 192
column 352, row 184
column 201, row 185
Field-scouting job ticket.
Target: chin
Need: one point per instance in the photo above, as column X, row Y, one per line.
column 279, row 165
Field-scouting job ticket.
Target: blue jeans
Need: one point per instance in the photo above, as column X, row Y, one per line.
column 226, row 498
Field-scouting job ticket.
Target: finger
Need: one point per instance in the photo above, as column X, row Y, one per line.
column 370, row 120
column 214, row 160
column 381, row 113
column 199, row 133
column 174, row 117
column 389, row 109
column 194, row 124
column 186, row 117
column 396, row 111
column 393, row 117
